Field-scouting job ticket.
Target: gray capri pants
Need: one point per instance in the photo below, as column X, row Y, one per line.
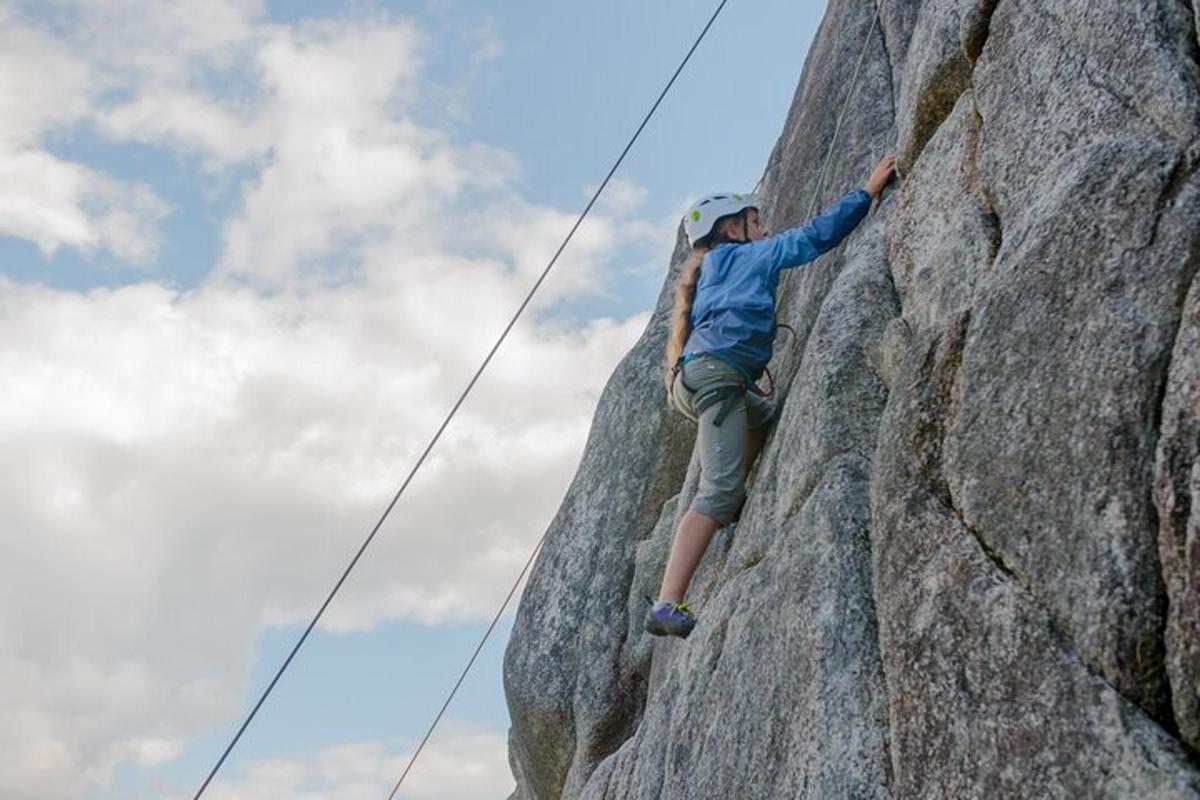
column 723, row 447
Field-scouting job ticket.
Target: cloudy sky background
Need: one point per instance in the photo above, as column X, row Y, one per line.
column 250, row 254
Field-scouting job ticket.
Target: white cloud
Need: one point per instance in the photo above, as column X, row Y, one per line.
column 46, row 87
column 187, row 121
column 173, row 445
column 134, row 43
column 187, row 467
column 56, row 203
column 42, row 82
column 462, row 761
column 621, row 196
column 485, row 44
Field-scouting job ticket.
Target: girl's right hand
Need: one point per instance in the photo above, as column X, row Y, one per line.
column 881, row 176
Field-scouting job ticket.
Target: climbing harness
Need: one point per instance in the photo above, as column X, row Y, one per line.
column 727, row 395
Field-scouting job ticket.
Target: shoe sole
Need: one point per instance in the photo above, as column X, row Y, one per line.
column 660, row 630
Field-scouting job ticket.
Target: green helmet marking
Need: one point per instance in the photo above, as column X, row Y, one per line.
column 696, row 215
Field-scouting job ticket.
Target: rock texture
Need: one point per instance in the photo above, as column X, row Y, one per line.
column 969, row 564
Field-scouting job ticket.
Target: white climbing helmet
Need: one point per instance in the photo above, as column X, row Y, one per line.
column 702, row 216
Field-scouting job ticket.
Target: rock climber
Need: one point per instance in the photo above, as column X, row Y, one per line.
column 721, row 338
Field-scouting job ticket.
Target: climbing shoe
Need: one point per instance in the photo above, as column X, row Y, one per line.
column 668, row 618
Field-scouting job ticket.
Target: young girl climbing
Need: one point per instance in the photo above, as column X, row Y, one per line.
column 721, row 339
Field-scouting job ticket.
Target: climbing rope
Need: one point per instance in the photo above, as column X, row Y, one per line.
column 837, row 129
column 345, row 574
column 838, row 126
column 842, row 116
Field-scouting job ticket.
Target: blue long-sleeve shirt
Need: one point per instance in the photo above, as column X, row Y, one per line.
column 733, row 314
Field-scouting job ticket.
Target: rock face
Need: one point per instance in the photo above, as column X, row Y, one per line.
column 969, row 563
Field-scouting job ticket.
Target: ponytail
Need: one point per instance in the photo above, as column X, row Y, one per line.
column 681, row 318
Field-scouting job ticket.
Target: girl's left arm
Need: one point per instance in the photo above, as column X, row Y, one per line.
column 822, row 233
column 801, row 245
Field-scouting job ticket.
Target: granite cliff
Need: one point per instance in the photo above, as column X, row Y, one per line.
column 975, row 529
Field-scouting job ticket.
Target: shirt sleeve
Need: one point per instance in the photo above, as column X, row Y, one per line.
column 822, row 233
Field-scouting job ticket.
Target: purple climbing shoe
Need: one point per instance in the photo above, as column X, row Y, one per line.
column 668, row 618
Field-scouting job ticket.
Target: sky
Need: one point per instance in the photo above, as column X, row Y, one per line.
column 250, row 255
